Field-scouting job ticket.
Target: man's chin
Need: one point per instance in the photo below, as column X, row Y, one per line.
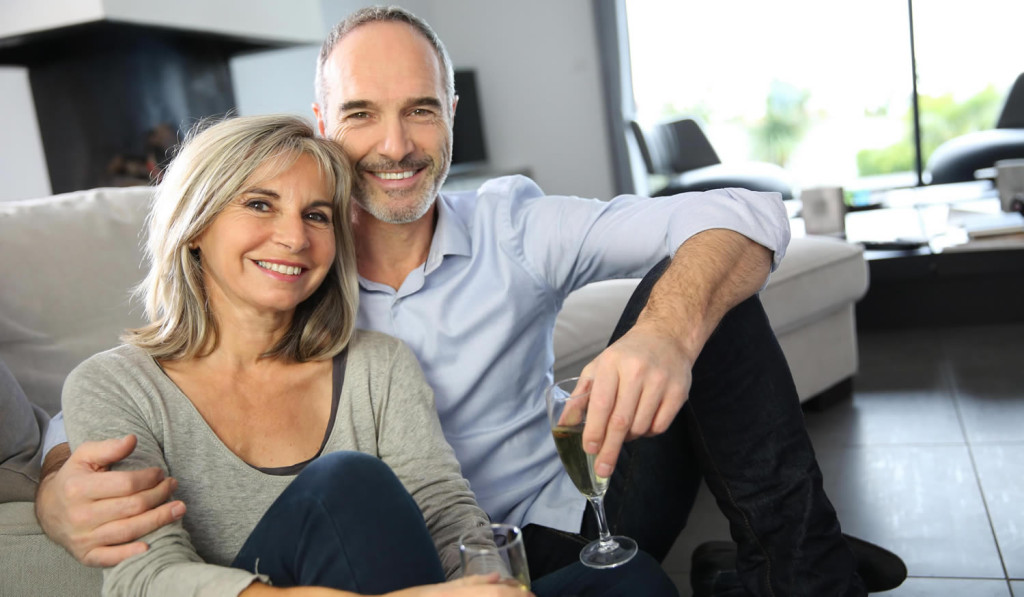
column 388, row 210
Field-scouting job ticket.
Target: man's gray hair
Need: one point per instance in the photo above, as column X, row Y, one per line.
column 381, row 14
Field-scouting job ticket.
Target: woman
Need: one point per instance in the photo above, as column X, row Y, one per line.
column 281, row 424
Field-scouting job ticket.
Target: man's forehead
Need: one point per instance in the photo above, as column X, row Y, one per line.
column 384, row 58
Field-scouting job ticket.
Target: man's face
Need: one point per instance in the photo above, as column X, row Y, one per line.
column 387, row 107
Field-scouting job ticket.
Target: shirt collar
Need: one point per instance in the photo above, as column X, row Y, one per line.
column 450, row 235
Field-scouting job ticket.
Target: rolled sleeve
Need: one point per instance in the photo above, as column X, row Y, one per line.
column 571, row 241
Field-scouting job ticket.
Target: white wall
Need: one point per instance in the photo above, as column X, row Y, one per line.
column 23, row 173
column 537, row 73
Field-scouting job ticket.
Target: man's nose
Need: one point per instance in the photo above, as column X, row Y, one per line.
column 396, row 143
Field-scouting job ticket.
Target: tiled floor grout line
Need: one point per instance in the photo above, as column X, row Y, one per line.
column 949, row 380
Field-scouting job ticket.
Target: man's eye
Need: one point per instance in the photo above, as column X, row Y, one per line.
column 423, row 112
column 358, row 116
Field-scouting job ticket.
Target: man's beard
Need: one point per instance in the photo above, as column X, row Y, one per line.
column 399, row 207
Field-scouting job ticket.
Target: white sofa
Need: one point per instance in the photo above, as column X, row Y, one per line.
column 67, row 262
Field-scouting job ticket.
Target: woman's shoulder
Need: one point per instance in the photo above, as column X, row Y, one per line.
column 380, row 356
column 370, row 344
column 124, row 365
column 123, row 358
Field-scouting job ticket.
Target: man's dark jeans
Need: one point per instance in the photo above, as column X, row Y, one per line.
column 742, row 429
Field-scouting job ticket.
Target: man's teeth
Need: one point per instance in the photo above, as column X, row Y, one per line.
column 395, row 175
column 289, row 270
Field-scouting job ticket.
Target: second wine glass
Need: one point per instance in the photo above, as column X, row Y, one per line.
column 567, row 402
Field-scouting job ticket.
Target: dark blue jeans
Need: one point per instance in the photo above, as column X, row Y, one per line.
column 742, row 430
column 346, row 522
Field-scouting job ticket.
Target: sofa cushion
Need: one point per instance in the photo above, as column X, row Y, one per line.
column 586, row 322
column 21, row 439
column 88, row 245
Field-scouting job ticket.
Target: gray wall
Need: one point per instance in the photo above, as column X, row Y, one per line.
column 537, row 72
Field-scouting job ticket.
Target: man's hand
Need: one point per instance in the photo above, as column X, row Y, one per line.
column 640, row 383
column 642, row 380
column 97, row 514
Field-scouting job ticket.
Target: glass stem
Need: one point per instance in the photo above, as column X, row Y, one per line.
column 602, row 522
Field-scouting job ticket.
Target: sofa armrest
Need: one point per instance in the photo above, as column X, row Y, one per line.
column 34, row 565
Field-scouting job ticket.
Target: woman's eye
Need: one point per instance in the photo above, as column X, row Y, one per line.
column 318, row 217
column 258, row 205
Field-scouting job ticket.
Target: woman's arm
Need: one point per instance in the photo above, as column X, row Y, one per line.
column 110, row 396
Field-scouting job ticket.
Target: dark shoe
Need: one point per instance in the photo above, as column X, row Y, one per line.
column 879, row 568
column 713, row 568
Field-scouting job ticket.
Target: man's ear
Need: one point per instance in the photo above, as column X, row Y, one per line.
column 320, row 126
column 455, row 103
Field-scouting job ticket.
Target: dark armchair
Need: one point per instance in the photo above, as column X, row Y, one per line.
column 956, row 160
column 680, row 150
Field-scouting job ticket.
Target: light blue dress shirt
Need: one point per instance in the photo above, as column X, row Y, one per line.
column 480, row 313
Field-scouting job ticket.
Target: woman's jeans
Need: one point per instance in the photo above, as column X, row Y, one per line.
column 742, row 430
column 346, row 522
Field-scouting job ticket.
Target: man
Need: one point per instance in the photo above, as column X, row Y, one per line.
column 473, row 282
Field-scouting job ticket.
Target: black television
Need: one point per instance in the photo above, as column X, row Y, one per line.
column 469, row 150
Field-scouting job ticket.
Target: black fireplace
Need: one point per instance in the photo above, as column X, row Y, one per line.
column 111, row 98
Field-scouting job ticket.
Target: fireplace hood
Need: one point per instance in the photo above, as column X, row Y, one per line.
column 115, row 82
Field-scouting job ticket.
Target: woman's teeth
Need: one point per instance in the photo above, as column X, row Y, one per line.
column 288, row 270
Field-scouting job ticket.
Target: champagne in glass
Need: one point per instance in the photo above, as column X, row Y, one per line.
column 579, row 464
column 567, row 411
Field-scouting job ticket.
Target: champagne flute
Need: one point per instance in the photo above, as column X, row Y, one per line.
column 506, row 556
column 567, row 411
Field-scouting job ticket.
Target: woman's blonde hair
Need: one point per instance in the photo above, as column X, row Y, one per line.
column 212, row 167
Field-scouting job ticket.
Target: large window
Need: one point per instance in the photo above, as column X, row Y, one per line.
column 825, row 89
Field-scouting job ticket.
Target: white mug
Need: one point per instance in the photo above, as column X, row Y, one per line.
column 1010, row 183
column 823, row 210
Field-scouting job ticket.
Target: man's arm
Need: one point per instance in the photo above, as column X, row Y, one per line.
column 642, row 380
column 96, row 514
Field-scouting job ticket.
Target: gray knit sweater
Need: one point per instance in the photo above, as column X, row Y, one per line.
column 385, row 409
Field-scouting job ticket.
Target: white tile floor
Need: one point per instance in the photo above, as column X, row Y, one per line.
column 927, row 459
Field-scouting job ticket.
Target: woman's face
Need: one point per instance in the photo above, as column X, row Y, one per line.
column 272, row 245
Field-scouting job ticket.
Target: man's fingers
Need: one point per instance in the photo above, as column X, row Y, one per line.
column 599, row 409
column 105, row 557
column 114, row 484
column 121, row 532
column 667, row 411
column 617, row 428
column 646, row 410
column 101, row 454
column 106, row 510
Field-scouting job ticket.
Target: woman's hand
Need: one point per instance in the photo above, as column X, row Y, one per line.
column 471, row 586
column 485, row 585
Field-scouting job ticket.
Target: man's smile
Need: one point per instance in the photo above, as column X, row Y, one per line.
column 394, row 175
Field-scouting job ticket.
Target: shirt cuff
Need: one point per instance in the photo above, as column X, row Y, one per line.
column 55, row 434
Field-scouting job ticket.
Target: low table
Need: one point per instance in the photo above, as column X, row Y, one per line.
column 949, row 278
